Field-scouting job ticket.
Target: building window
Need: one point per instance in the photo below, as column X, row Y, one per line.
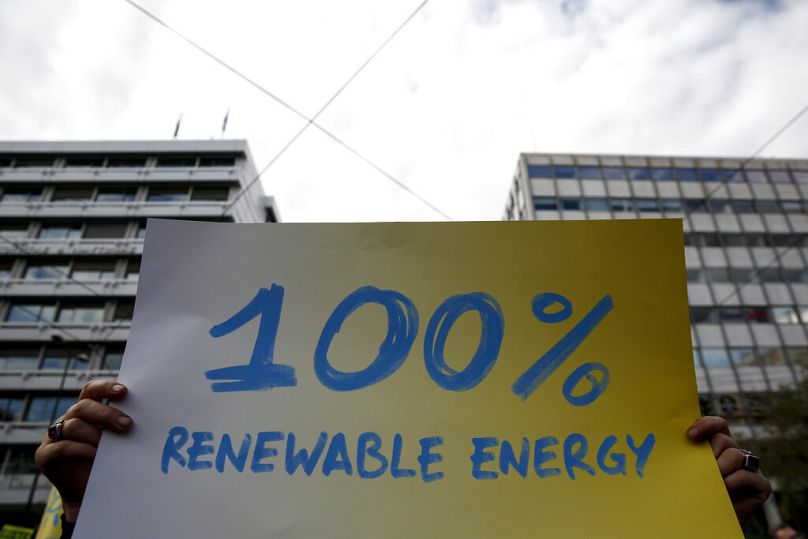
column 31, row 312
column 571, row 204
column 662, row 173
column 126, row 161
column 545, row 204
column 124, row 310
column 589, row 173
column 646, row 205
column 33, row 162
column 709, row 175
column 217, row 161
column 116, row 194
column 695, row 276
column 167, row 194
column 19, row 359
column 596, row 204
column 72, row 194
column 539, row 171
column 779, row 176
column 209, row 193
column 757, row 176
column 564, row 172
column 718, row 275
column 714, row 357
column 639, row 173
column 133, row 268
column 112, row 359
column 11, row 408
column 742, row 206
column 771, row 357
column 60, row 231
column 14, row 230
column 614, row 173
column 105, row 230
column 685, row 174
column 21, row 194
column 84, row 162
column 620, row 204
column 46, row 270
column 80, row 313
column 6, row 268
column 45, row 409
column 55, row 359
column 176, row 161
column 19, row 460
column 93, row 269
column 670, row 204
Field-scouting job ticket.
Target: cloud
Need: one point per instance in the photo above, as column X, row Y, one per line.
column 446, row 107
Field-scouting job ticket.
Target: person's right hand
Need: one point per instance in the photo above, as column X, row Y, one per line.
column 67, row 462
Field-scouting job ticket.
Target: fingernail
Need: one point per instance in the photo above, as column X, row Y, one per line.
column 124, row 421
column 693, row 432
column 117, row 388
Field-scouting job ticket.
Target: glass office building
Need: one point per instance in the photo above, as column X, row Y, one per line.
column 746, row 251
column 72, row 221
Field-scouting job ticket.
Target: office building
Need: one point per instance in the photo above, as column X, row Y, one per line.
column 72, row 221
column 746, row 253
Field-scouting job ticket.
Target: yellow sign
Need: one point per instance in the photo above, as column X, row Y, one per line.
column 468, row 380
column 50, row 526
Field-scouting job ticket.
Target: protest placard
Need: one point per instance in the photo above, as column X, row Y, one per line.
column 463, row 380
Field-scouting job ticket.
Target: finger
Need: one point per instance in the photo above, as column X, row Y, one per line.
column 729, row 461
column 707, row 427
column 51, row 456
column 747, row 484
column 721, row 443
column 99, row 415
column 103, row 389
column 78, row 430
column 745, row 507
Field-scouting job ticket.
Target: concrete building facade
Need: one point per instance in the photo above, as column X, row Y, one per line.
column 746, row 252
column 72, row 221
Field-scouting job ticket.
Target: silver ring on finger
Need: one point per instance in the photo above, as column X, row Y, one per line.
column 56, row 430
column 750, row 462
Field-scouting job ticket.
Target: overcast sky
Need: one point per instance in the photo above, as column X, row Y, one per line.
column 446, row 107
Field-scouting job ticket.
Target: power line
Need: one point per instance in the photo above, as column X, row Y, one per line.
column 309, row 121
column 785, row 127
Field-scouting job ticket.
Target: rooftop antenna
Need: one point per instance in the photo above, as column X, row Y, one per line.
column 177, row 128
column 224, row 123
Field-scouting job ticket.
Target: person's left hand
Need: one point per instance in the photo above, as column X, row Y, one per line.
column 747, row 489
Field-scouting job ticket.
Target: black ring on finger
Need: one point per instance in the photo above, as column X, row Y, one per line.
column 751, row 462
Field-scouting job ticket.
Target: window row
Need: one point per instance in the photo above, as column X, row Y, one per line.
column 63, row 230
column 70, row 311
column 753, row 239
column 784, row 314
column 76, row 356
column 84, row 269
column 34, row 408
column 750, row 357
column 665, row 173
column 113, row 194
column 17, row 459
column 117, row 161
column 733, row 406
column 747, row 275
column 673, row 205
